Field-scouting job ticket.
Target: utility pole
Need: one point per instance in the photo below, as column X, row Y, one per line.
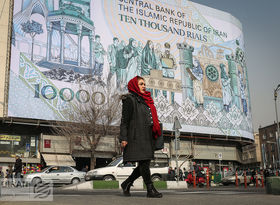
column 277, row 136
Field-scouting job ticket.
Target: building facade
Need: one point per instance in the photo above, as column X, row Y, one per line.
column 200, row 78
column 251, row 154
column 269, row 142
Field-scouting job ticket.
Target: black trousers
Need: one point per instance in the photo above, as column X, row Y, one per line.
column 143, row 169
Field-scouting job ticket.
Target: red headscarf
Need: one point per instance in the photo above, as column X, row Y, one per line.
column 133, row 87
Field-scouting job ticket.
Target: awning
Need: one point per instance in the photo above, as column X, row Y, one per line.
column 59, row 160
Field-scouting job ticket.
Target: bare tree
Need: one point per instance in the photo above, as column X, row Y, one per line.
column 95, row 115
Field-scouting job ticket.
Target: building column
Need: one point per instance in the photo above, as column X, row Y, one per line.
column 49, row 41
column 62, row 40
column 170, row 97
column 79, row 51
column 186, row 62
column 91, row 56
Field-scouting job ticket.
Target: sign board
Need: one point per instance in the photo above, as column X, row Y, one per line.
column 27, row 147
column 10, row 137
column 47, row 143
column 191, row 56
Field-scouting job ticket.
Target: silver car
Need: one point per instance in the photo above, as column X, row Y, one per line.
column 57, row 175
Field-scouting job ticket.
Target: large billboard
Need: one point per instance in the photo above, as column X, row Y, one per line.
column 191, row 56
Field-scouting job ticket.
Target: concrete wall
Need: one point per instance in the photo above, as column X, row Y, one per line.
column 212, row 152
column 106, row 144
column 4, row 41
column 58, row 144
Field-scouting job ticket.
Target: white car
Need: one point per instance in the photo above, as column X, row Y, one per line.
column 56, row 174
column 231, row 179
column 116, row 170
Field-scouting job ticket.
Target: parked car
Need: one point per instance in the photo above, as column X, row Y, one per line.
column 56, row 174
column 117, row 169
column 231, row 179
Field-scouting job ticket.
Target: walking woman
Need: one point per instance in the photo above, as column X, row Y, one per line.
column 139, row 129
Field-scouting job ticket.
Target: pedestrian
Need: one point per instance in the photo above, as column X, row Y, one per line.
column 266, row 174
column 175, row 171
column 18, row 170
column 9, row 176
column 173, row 175
column 253, row 177
column 169, row 174
column 185, row 173
column 197, row 170
column 1, row 177
column 138, row 130
column 181, row 177
column 85, row 169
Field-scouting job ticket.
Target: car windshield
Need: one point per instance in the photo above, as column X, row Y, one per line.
column 115, row 162
column 44, row 169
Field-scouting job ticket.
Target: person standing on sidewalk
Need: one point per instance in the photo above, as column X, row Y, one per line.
column 138, row 130
column 253, row 177
column 18, row 170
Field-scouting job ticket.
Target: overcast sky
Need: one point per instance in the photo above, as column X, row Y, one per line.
column 261, row 29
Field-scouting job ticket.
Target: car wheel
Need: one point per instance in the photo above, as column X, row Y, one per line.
column 156, row 178
column 36, row 180
column 87, row 178
column 108, row 178
column 75, row 181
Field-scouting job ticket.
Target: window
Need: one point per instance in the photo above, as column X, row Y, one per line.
column 264, row 137
column 270, row 135
column 115, row 162
column 130, row 164
column 54, row 170
column 66, row 169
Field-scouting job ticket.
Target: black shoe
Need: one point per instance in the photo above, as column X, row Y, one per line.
column 152, row 192
column 126, row 187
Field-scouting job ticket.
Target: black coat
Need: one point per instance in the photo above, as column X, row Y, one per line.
column 136, row 129
column 18, row 166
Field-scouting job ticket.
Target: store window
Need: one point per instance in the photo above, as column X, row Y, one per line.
column 11, row 145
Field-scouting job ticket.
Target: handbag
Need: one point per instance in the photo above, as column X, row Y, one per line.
column 159, row 142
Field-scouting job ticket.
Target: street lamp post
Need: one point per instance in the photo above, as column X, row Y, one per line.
column 277, row 137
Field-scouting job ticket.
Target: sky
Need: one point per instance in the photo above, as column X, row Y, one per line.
column 261, row 29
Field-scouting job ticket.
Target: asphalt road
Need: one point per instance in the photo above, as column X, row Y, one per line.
column 170, row 197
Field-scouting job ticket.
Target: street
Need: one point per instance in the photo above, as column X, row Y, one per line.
column 228, row 196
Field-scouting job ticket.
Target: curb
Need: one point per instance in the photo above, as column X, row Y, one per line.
column 137, row 185
column 80, row 186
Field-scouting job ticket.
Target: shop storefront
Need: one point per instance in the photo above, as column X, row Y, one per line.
column 12, row 145
column 25, row 146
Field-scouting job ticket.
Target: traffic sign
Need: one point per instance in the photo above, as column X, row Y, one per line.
column 176, row 124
